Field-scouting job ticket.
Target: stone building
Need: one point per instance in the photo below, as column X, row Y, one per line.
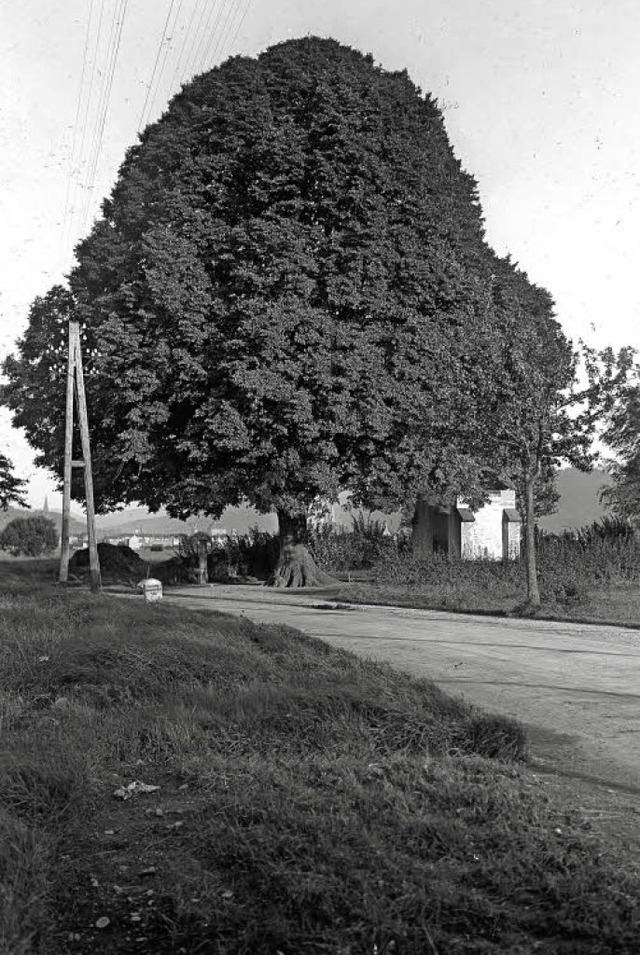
column 492, row 532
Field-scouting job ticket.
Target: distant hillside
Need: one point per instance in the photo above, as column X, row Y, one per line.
column 579, row 502
column 139, row 521
column 118, row 518
column 579, row 505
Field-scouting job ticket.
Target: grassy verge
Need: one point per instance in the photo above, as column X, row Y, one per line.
column 307, row 801
column 616, row 603
column 592, row 580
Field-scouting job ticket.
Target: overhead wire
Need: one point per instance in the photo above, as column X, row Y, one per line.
column 165, row 54
column 180, row 61
column 206, row 35
column 210, row 41
column 199, row 32
column 85, row 119
column 72, row 155
column 103, row 72
column 240, row 23
column 103, row 109
column 218, row 51
column 141, row 120
column 230, row 23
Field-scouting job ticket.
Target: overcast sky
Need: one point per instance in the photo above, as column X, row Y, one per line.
column 541, row 101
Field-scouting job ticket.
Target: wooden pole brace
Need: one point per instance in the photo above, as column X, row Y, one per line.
column 75, row 377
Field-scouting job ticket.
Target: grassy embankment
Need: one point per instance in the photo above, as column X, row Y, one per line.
column 308, row 801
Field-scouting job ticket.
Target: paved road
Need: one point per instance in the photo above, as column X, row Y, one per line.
column 576, row 686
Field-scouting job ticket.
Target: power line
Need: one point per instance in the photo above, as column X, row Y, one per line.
column 225, row 36
column 72, row 154
column 210, row 41
column 199, row 32
column 164, row 58
column 203, row 38
column 240, row 23
column 116, row 34
column 155, row 66
column 104, row 74
column 206, row 35
column 212, row 52
column 180, row 59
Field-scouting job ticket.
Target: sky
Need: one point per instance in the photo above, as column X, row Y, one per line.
column 541, row 101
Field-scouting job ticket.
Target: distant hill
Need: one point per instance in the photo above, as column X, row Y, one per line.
column 140, row 521
column 579, row 505
column 579, row 502
column 118, row 518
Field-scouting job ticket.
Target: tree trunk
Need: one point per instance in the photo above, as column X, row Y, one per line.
column 422, row 530
column 296, row 567
column 533, row 591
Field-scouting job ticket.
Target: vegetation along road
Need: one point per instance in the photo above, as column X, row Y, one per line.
column 576, row 686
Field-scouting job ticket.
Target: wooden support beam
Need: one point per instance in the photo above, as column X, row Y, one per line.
column 75, row 377
column 68, row 440
column 83, row 421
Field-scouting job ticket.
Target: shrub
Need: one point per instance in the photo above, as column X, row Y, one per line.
column 606, row 551
column 570, row 565
column 254, row 555
column 361, row 548
column 29, row 537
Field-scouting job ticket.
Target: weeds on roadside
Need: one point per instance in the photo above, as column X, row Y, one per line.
column 570, row 567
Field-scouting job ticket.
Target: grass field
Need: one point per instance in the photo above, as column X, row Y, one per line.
column 307, row 801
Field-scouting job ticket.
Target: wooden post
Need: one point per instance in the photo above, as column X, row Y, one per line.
column 76, row 376
column 203, row 574
column 68, row 443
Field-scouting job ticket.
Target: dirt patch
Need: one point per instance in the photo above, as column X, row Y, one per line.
column 117, row 562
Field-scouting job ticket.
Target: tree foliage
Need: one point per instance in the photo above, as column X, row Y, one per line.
column 29, row 536
column 285, row 296
column 12, row 489
column 622, row 435
column 549, row 398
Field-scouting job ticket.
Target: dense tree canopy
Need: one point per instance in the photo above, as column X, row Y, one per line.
column 622, row 434
column 548, row 399
column 286, row 295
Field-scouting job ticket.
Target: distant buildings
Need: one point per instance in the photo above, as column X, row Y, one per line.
column 155, row 542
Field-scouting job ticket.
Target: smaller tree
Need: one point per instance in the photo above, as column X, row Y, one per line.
column 622, row 435
column 11, row 487
column 29, row 537
column 549, row 399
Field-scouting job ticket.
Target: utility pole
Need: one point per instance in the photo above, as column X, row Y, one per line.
column 75, row 383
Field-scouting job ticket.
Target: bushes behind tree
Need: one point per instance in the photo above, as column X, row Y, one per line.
column 570, row 564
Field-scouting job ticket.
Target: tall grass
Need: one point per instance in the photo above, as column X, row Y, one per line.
column 309, row 801
column 570, row 567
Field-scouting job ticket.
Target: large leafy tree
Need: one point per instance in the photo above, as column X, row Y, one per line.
column 286, row 295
